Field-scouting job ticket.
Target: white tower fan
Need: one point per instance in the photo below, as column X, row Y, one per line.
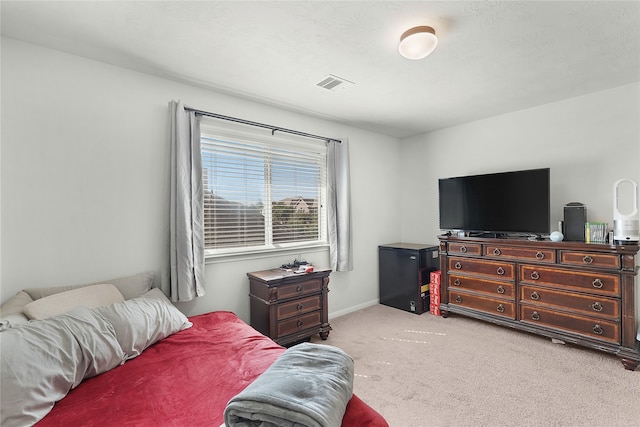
column 625, row 225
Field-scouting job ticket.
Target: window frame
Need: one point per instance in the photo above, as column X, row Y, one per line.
column 287, row 143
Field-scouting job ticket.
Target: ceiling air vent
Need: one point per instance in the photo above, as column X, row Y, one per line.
column 334, row 83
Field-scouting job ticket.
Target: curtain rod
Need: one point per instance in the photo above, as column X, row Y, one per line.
column 261, row 125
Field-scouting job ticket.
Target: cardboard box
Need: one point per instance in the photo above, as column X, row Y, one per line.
column 435, row 310
column 434, row 292
column 434, row 285
column 435, row 300
column 434, row 305
column 434, row 277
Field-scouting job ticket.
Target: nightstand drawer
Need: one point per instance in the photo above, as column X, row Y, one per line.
column 298, row 323
column 594, row 328
column 589, row 305
column 299, row 306
column 298, row 289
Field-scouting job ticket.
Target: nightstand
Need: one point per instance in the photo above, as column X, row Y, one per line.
column 289, row 307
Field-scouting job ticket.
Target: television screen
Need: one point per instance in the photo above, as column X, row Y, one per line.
column 505, row 202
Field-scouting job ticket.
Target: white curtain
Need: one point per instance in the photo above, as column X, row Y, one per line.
column 187, row 225
column 339, row 206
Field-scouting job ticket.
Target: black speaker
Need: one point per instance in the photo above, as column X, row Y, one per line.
column 575, row 215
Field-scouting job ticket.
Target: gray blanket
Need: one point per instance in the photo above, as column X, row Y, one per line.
column 308, row 385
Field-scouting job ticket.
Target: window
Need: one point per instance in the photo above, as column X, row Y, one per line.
column 262, row 193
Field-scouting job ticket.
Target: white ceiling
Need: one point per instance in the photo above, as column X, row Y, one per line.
column 493, row 57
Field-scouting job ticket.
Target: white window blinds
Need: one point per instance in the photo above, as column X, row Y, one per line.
column 262, row 194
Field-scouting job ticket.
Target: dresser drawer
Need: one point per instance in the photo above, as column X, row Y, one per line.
column 489, row 287
column 594, row 328
column 298, row 323
column 515, row 252
column 590, row 259
column 576, row 280
column 299, row 306
column 596, row 306
column 464, row 248
column 489, row 305
column 299, row 289
column 495, row 269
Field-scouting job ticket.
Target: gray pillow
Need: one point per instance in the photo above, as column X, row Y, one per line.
column 11, row 312
column 130, row 286
column 142, row 321
column 42, row 361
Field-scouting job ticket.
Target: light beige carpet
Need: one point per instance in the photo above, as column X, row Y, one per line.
column 430, row 371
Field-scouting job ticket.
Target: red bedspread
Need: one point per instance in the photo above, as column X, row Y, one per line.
column 184, row 380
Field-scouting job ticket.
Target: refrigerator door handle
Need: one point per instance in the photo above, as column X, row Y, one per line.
column 412, row 257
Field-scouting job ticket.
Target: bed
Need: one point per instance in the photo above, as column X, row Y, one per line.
column 180, row 373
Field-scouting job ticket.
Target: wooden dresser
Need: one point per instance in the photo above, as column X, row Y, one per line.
column 576, row 292
column 289, row 307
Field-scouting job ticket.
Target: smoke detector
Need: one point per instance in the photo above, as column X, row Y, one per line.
column 334, row 83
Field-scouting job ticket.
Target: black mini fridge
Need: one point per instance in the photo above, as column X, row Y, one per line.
column 403, row 270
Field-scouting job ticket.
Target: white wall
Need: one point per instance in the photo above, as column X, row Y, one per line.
column 85, row 181
column 588, row 142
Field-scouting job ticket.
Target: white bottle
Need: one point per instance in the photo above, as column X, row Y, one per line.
column 625, row 225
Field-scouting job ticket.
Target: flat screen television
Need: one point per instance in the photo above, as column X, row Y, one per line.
column 502, row 203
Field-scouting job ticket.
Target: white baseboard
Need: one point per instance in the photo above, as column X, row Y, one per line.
column 334, row 314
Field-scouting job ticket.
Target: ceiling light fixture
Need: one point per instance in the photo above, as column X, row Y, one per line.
column 418, row 42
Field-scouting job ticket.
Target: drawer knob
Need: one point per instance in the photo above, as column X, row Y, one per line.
column 500, row 271
column 500, row 308
column 535, row 296
column 300, row 323
column 463, row 249
column 587, row 259
column 597, row 284
column 597, row 306
column 535, row 275
column 539, row 255
column 496, row 251
column 597, row 329
column 299, row 288
column 458, row 299
column 457, row 266
column 299, row 306
column 456, row 282
column 500, row 290
column 535, row 315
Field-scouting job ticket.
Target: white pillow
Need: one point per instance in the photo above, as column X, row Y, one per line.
column 90, row 297
column 42, row 361
column 142, row 321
